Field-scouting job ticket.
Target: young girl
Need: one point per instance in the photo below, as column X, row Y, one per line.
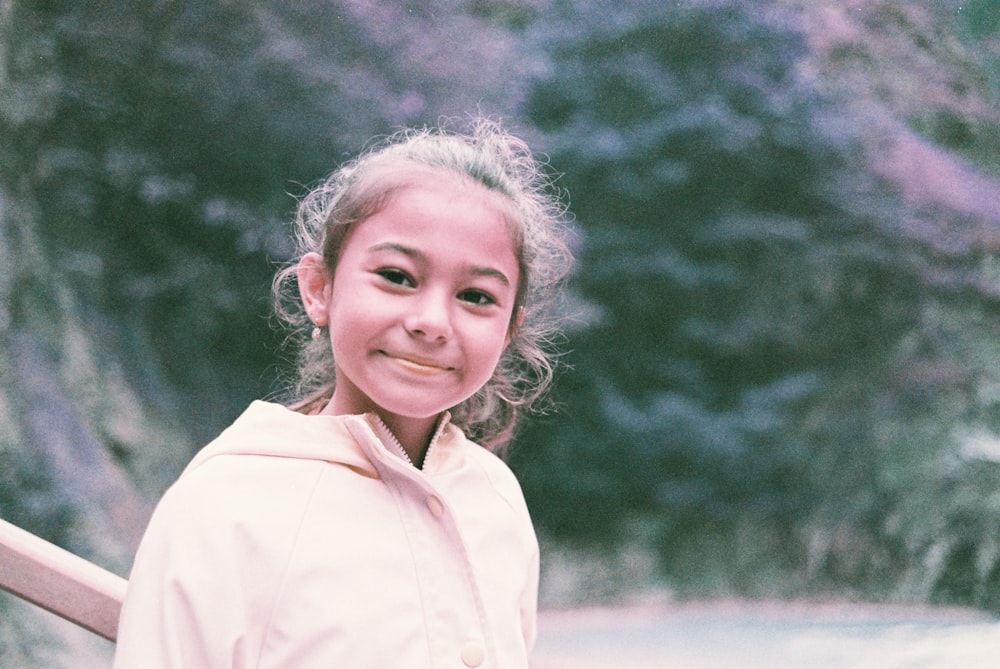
column 362, row 526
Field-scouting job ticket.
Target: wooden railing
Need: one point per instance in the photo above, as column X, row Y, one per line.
column 59, row 581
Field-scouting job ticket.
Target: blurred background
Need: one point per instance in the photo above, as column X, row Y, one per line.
column 783, row 375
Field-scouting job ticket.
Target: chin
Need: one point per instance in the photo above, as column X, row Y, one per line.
column 410, row 411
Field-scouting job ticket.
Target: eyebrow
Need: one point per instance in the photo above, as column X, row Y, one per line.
column 419, row 255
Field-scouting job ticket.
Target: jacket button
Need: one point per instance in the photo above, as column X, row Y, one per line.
column 473, row 654
column 435, row 505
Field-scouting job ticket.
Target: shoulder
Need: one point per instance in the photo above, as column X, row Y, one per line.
column 232, row 521
column 249, row 479
column 233, row 480
column 500, row 476
column 490, row 462
column 249, row 496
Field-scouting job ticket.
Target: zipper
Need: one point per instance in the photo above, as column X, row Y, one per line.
column 389, row 439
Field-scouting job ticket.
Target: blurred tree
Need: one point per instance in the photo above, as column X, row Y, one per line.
column 778, row 344
column 158, row 142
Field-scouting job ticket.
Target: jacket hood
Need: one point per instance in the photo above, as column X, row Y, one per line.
column 268, row 429
column 274, row 430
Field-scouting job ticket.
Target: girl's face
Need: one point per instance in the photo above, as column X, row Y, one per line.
column 420, row 303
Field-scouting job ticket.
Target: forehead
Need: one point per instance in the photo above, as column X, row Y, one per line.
column 445, row 214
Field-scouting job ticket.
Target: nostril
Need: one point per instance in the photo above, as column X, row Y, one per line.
column 433, row 323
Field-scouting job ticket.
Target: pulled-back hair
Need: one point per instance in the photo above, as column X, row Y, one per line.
column 485, row 156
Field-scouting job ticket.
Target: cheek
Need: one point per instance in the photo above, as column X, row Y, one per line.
column 489, row 345
column 350, row 326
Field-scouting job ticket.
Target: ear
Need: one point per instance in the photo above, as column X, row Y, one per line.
column 515, row 325
column 315, row 286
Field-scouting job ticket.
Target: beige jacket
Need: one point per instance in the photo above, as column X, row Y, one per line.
column 303, row 542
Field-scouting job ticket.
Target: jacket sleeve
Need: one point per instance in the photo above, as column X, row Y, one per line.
column 187, row 599
column 521, row 533
column 529, row 603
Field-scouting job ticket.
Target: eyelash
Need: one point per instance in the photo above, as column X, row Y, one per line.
column 396, row 276
column 479, row 298
column 475, row 297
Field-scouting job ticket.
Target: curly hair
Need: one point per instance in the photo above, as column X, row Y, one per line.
column 486, row 155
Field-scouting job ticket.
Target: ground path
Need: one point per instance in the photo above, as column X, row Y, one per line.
column 769, row 635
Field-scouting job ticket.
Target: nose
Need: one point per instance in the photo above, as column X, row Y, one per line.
column 430, row 317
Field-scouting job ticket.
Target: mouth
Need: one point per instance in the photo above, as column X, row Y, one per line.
column 418, row 365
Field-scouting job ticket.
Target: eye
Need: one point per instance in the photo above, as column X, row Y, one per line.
column 396, row 276
column 476, row 297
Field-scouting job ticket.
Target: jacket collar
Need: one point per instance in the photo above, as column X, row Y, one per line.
column 273, row 430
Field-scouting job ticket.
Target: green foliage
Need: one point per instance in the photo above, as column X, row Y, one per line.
column 767, row 362
column 157, row 144
column 932, row 63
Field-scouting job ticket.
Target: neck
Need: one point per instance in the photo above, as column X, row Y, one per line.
column 413, row 434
